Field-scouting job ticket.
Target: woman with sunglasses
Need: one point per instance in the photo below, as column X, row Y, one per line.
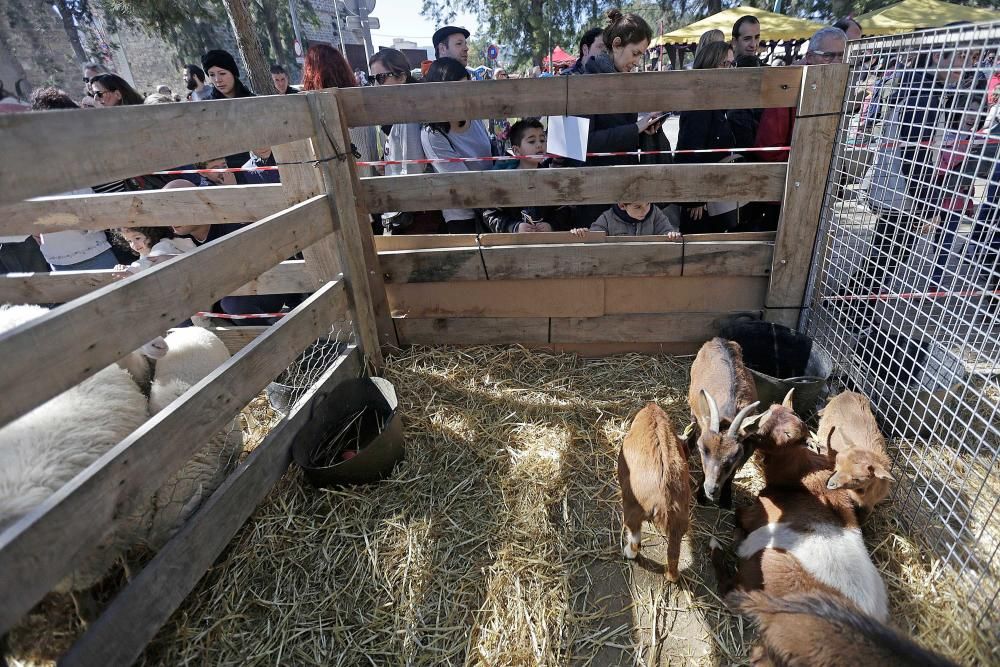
column 711, row 129
column 390, row 67
column 110, row 90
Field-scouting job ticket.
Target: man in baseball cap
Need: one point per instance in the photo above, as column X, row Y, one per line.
column 452, row 42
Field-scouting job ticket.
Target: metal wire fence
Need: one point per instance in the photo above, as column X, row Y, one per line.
column 904, row 287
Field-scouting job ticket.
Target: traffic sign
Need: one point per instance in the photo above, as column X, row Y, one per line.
column 492, row 51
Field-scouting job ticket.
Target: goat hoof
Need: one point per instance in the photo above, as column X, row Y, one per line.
column 672, row 577
column 631, row 552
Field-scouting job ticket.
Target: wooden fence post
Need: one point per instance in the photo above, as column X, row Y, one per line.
column 816, row 121
column 350, row 248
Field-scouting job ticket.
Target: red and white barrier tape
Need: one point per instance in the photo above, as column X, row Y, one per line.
column 908, row 295
column 492, row 158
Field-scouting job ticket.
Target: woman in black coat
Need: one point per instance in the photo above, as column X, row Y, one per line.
column 701, row 130
column 627, row 37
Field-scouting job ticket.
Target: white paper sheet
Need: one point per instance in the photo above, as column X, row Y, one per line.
column 567, row 136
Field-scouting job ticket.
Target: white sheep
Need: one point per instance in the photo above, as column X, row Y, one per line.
column 47, row 447
column 192, row 354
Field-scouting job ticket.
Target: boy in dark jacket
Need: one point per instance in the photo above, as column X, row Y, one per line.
column 527, row 139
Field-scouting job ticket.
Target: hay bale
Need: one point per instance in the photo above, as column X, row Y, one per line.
column 498, row 540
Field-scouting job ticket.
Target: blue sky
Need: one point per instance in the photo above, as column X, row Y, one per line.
column 402, row 18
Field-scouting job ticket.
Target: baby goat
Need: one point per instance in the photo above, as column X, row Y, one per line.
column 654, row 478
column 821, row 630
column 848, row 430
column 722, row 394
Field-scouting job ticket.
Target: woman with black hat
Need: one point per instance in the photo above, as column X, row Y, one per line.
column 220, row 66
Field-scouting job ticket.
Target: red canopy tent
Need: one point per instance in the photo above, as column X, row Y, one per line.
column 560, row 57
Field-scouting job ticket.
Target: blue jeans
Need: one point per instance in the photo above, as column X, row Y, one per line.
column 106, row 260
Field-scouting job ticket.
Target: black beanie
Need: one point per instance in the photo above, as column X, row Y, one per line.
column 220, row 58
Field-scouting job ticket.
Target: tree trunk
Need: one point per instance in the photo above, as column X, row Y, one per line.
column 69, row 26
column 713, row 6
column 258, row 73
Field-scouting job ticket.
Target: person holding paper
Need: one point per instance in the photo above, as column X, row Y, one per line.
column 626, row 38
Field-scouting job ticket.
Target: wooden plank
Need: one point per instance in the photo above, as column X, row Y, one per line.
column 583, row 260
column 638, row 328
column 41, row 548
column 727, row 258
column 580, row 297
column 133, row 618
column 59, row 151
column 743, row 88
column 74, row 341
column 812, row 150
column 515, row 98
column 62, row 286
column 151, row 208
column 541, row 238
column 651, row 294
column 237, row 338
column 612, row 93
column 420, row 241
column 732, row 236
column 352, row 236
column 591, row 185
column 431, row 266
column 472, row 330
column 822, row 90
column 301, row 181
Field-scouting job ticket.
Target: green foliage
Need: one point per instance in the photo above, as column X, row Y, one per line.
column 529, row 27
column 195, row 26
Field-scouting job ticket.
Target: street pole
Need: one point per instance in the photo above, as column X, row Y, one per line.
column 365, row 28
column 293, row 9
column 340, row 27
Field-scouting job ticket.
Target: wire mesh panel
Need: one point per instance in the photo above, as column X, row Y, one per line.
column 904, row 286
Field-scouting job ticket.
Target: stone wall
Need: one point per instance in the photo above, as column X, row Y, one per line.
column 36, row 47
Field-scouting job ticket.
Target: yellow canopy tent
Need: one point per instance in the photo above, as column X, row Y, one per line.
column 773, row 27
column 910, row 15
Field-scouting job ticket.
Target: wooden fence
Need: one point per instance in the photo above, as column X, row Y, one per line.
column 595, row 295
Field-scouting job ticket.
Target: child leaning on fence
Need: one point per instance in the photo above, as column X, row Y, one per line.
column 634, row 219
column 153, row 245
column 528, row 145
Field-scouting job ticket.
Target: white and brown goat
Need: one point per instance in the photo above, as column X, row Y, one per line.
column 850, row 434
column 799, row 536
column 819, row 630
column 655, row 483
column 722, row 394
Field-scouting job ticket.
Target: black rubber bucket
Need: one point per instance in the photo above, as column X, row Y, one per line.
column 354, row 436
column 781, row 359
column 301, row 373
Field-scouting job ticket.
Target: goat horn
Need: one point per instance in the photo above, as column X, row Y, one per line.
column 734, row 428
column 787, row 402
column 713, row 411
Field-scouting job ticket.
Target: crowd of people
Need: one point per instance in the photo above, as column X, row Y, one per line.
column 710, row 136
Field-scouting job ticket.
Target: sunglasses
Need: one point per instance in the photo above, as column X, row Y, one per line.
column 381, row 78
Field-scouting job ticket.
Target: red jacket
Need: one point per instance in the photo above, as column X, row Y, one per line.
column 775, row 129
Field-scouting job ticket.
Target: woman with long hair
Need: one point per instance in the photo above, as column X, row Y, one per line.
column 455, row 139
column 326, row 67
column 110, row 90
column 711, row 129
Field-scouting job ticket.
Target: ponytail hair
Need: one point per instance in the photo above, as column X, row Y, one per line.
column 629, row 28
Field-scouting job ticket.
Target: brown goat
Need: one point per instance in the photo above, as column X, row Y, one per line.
column 848, row 431
column 780, row 439
column 820, row 630
column 722, row 394
column 655, row 483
